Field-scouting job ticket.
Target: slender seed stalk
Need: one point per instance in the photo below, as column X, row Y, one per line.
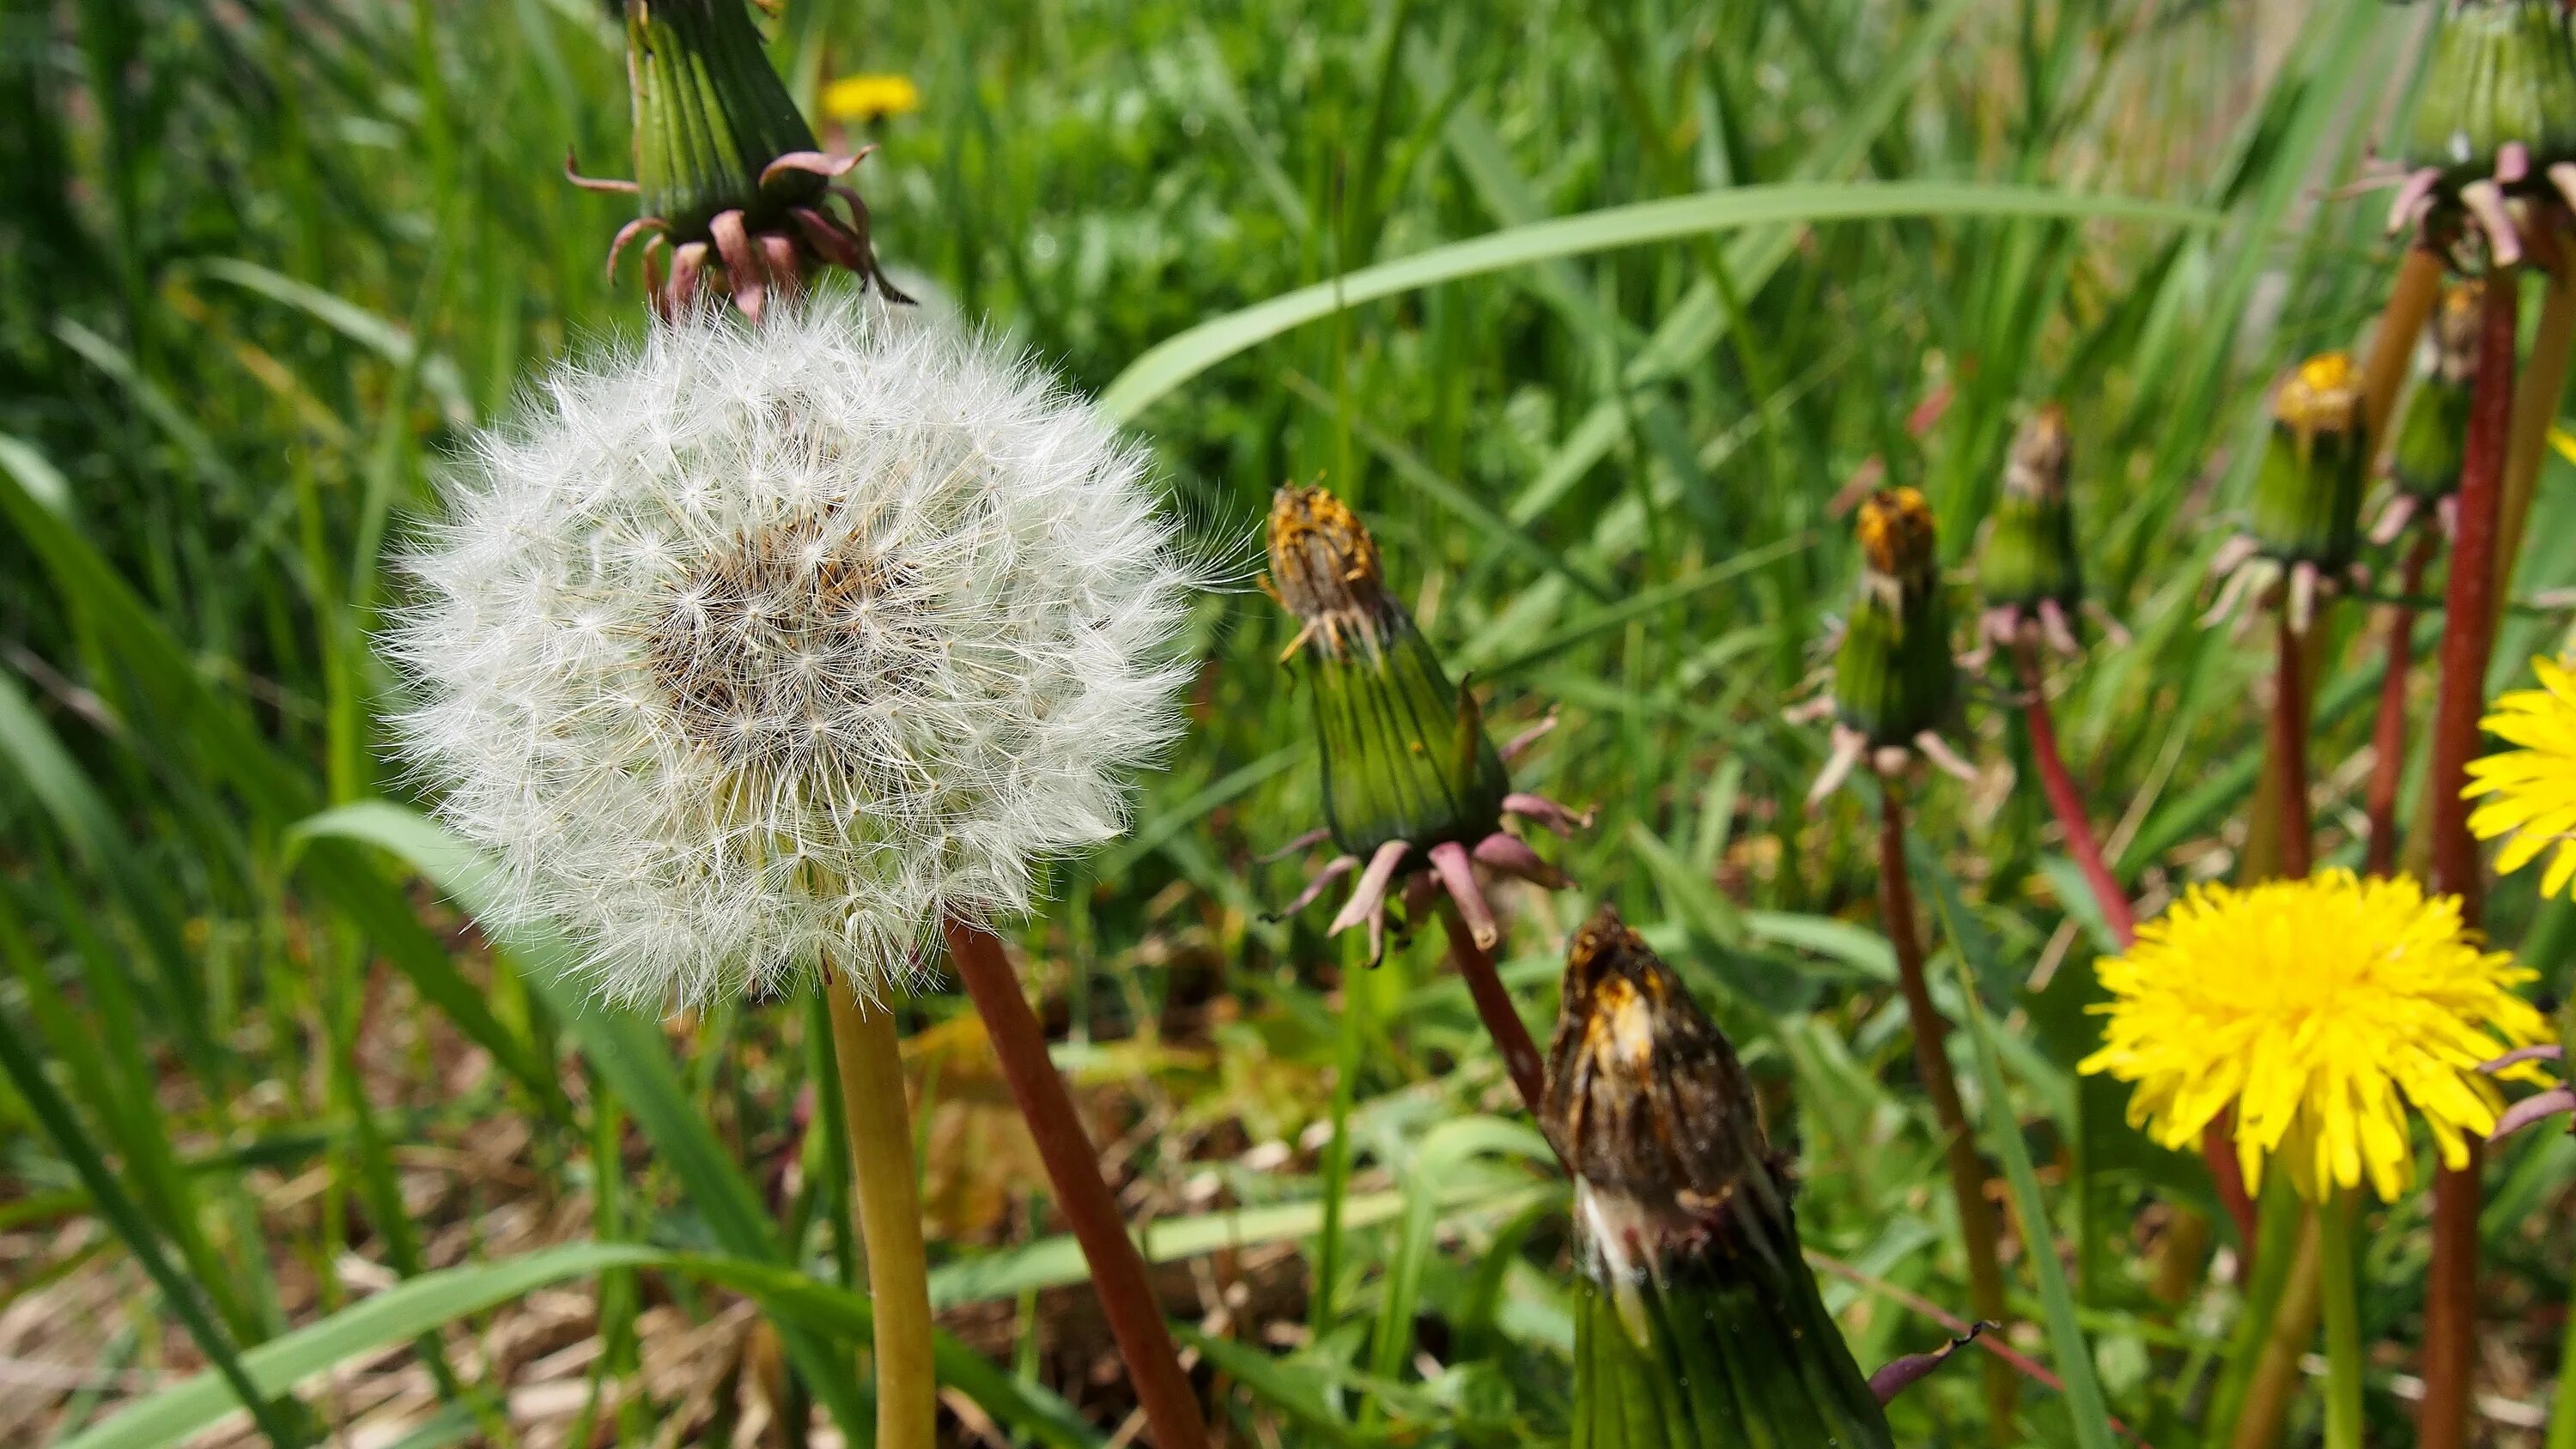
column 2468, row 638
column 1932, row 1062
column 887, row 1194
column 1494, row 1004
column 2066, row 801
column 2535, row 404
column 2343, row 1323
column 2388, row 729
column 1073, row 1167
column 2276, row 1378
column 2410, row 301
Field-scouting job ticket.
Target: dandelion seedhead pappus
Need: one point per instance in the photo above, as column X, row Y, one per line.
column 1895, row 683
column 1413, row 791
column 2432, row 431
column 1697, row 1320
column 755, row 646
column 2028, row 569
column 2324, row 1013
column 2305, row 528
column 2494, row 130
column 728, row 175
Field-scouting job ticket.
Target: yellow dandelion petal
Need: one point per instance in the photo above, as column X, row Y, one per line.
column 2528, row 791
column 2326, row 1012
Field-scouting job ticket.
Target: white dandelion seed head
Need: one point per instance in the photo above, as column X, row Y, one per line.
column 752, row 647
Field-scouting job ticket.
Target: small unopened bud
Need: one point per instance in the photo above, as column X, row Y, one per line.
column 1410, row 782
column 2432, row 432
column 1894, row 677
column 731, row 187
column 2307, row 495
column 2495, row 119
column 2028, row 568
column 1697, row 1320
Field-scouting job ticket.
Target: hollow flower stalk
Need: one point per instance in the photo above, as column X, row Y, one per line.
column 755, row 655
column 1697, row 1321
column 735, row 196
column 2494, row 124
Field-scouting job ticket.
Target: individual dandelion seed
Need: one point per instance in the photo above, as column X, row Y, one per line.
column 2028, row 568
column 2326, row 1012
column 730, row 181
column 2431, row 436
column 2529, row 789
column 1696, row 1320
column 2494, row 124
column 749, row 648
column 1895, row 682
column 1414, row 793
column 2305, row 525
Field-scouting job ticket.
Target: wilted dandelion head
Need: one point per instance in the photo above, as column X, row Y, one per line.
column 2323, row 1011
column 2531, row 786
column 1324, row 568
column 2036, row 467
column 755, row 646
column 1896, row 535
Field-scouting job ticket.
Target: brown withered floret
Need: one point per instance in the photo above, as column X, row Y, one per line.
column 1324, row 569
column 1646, row 1101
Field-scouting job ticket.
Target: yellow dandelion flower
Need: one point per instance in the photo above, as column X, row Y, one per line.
column 2321, row 1010
column 2534, row 786
column 868, row 97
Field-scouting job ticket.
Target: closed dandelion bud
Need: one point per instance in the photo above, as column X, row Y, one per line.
column 2307, row 495
column 731, row 185
column 2496, row 116
column 1894, row 677
column 1697, row 1321
column 1409, row 779
column 2432, row 432
column 2029, row 555
column 1404, row 750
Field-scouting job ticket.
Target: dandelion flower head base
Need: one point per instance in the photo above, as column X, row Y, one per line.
column 2324, row 1011
column 765, row 644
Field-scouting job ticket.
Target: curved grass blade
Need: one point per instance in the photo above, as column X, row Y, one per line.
column 1175, row 360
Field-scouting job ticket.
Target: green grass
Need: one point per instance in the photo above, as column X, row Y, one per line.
column 1628, row 290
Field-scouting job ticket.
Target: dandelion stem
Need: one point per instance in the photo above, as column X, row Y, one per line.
column 1073, row 1166
column 2562, row 1408
column 2066, row 801
column 2410, row 301
column 1494, row 1003
column 2343, row 1323
column 879, row 1121
column 2276, row 1375
column 2535, row 405
column 2388, row 731
column 2468, row 638
column 1977, row 1228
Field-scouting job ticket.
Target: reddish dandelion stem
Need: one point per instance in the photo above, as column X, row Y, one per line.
column 1932, row 1062
column 2289, row 742
column 1073, row 1167
column 2066, row 802
column 2468, row 638
column 1494, row 1004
